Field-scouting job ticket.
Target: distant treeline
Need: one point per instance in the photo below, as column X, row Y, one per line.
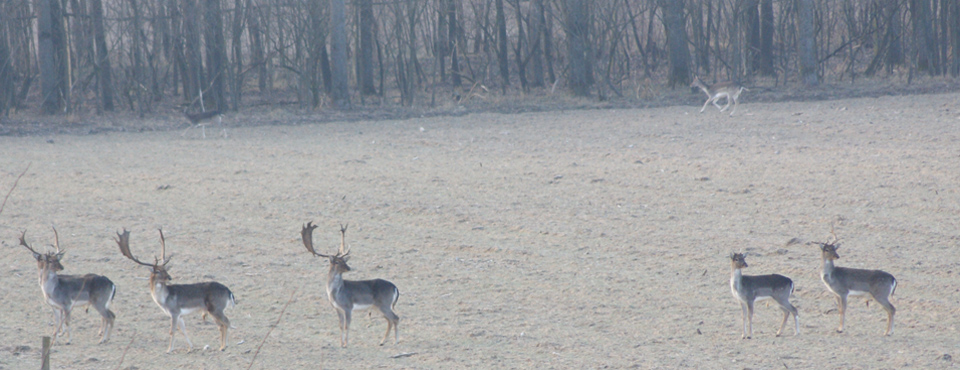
column 60, row 56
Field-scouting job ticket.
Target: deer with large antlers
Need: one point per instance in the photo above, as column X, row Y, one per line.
column 178, row 300
column 64, row 292
column 347, row 296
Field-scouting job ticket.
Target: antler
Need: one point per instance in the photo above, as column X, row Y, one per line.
column 56, row 238
column 306, row 234
column 163, row 248
column 123, row 240
column 343, row 235
column 23, row 242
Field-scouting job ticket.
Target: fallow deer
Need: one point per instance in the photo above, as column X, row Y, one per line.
column 347, row 296
column 178, row 300
column 749, row 289
column 64, row 292
column 198, row 119
column 844, row 282
column 717, row 91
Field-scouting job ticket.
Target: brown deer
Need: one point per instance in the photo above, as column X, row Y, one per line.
column 347, row 296
column 64, row 292
column 717, row 91
column 178, row 300
column 198, row 119
column 844, row 282
column 749, row 289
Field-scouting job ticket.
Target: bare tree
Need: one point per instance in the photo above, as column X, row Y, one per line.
column 215, row 52
column 338, row 48
column 502, row 46
column 806, row 43
column 674, row 26
column 579, row 53
column 367, row 26
column 54, row 57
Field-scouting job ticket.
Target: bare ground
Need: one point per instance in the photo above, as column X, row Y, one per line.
column 578, row 239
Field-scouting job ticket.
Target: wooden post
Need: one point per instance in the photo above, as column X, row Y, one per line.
column 45, row 361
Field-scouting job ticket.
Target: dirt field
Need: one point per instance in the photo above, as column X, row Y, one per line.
column 565, row 240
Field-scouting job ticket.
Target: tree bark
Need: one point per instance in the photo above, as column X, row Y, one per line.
column 454, row 42
column 367, row 27
column 535, row 53
column 766, row 38
column 924, row 37
column 7, row 75
column 502, row 46
column 674, row 27
column 54, row 69
column 191, row 27
column 216, row 52
column 806, row 43
column 338, row 48
column 579, row 53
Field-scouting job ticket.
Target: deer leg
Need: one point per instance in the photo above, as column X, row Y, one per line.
column 345, row 335
column 735, row 104
column 885, row 303
column 66, row 324
column 220, row 123
column 750, row 317
column 173, row 330
column 392, row 321
column 224, row 323
column 743, row 320
column 106, row 321
column 183, row 329
column 842, row 300
column 705, row 104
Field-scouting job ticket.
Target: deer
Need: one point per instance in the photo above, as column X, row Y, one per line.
column 715, row 92
column 347, row 296
column 64, row 292
column 844, row 282
column 181, row 299
column 750, row 289
column 197, row 119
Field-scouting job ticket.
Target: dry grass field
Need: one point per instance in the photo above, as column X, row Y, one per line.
column 559, row 240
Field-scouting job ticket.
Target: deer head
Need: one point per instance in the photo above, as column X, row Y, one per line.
column 338, row 262
column 158, row 269
column 45, row 261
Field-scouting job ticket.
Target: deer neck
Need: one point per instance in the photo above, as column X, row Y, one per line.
column 48, row 281
column 827, row 269
column 334, row 281
column 736, row 280
column 159, row 291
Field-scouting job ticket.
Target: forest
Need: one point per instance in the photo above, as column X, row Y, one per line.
column 94, row 56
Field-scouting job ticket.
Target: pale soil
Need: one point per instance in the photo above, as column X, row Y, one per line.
column 582, row 239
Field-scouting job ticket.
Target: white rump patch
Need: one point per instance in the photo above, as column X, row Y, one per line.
column 858, row 292
column 359, row 307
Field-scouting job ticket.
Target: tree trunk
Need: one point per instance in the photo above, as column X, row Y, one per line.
column 806, row 43
column 7, row 75
column 338, row 48
column 102, row 56
column 191, row 27
column 535, row 53
column 257, row 54
column 580, row 73
column 674, row 27
column 239, row 14
column 518, row 52
column 216, row 52
column 955, row 38
column 454, row 42
column 502, row 46
column 894, row 29
column 367, row 27
column 54, row 70
column 751, row 14
column 766, row 38
column 924, row 37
